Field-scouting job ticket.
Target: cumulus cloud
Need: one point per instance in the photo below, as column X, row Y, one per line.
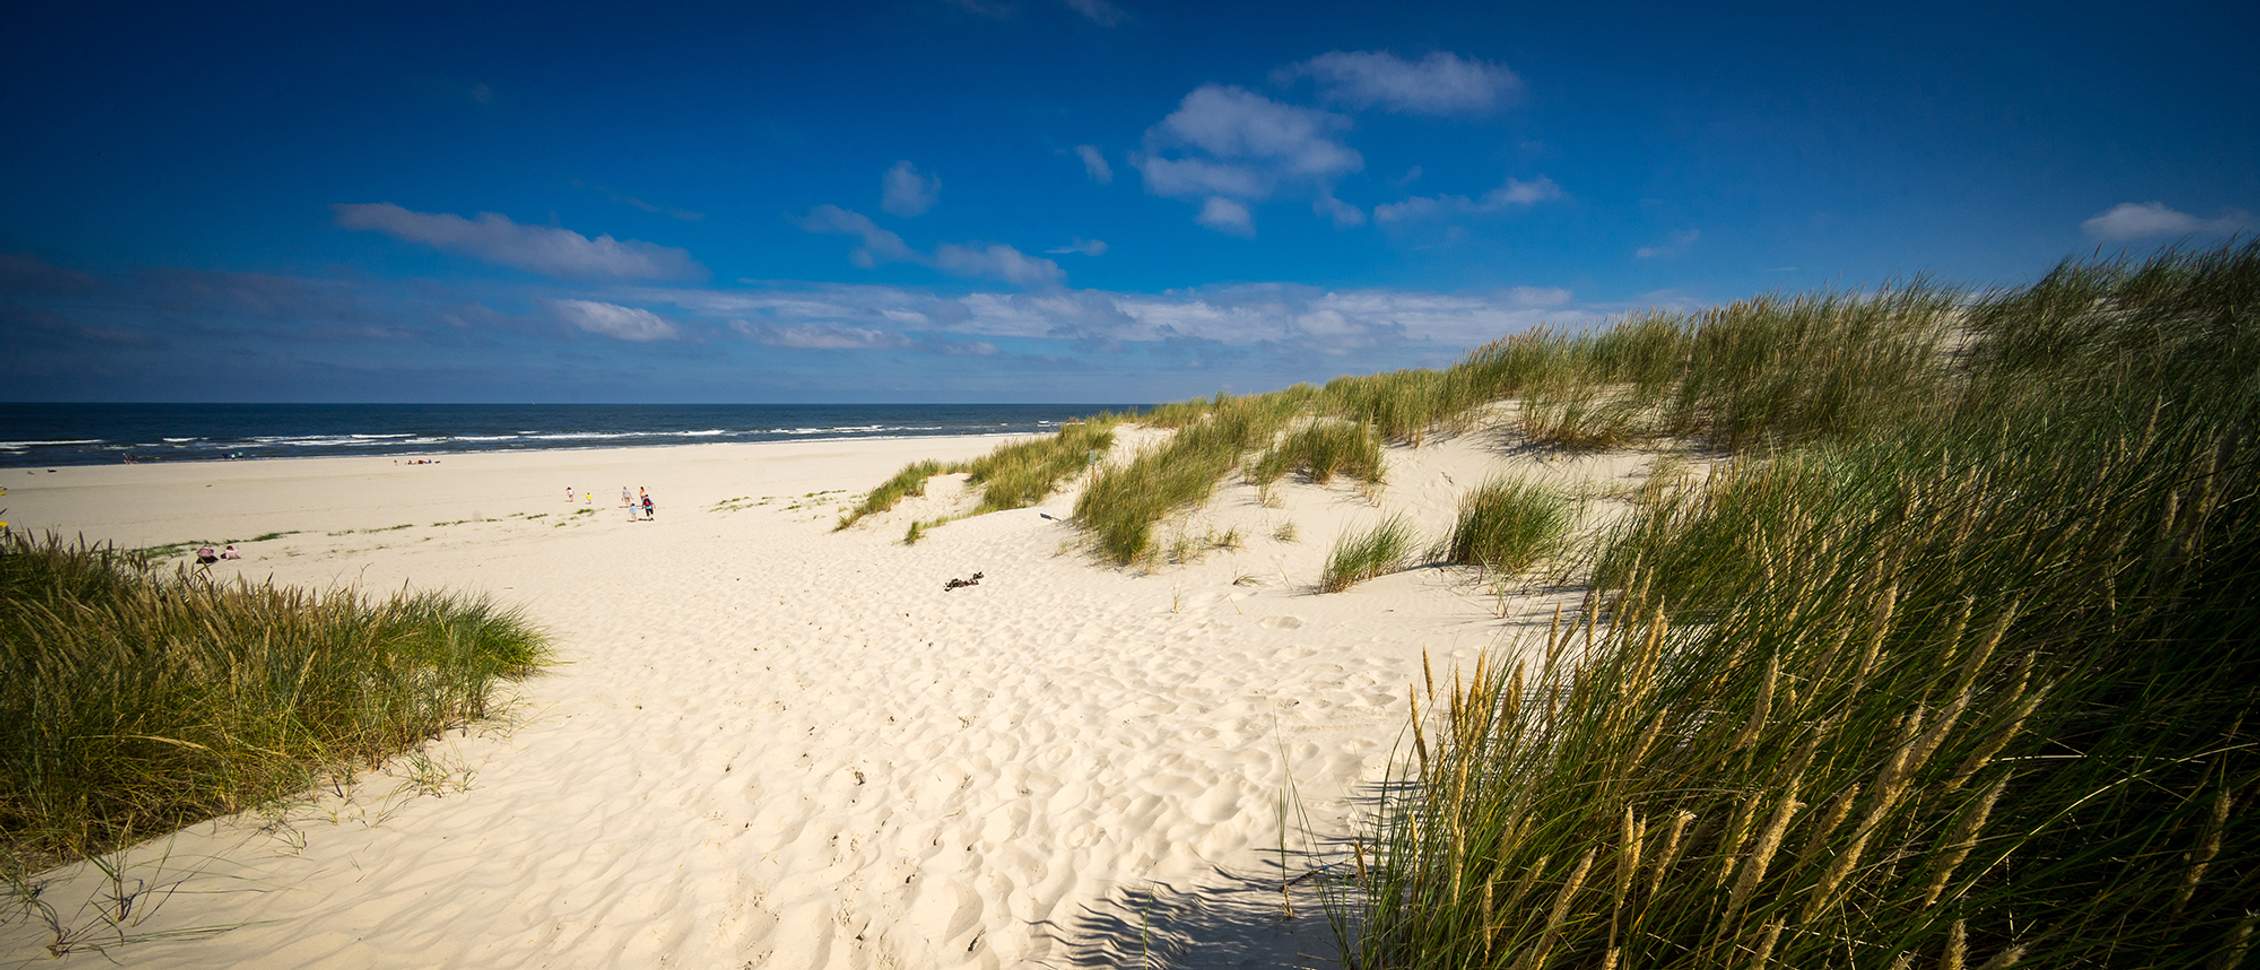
column 1085, row 247
column 1099, row 12
column 1343, row 213
column 879, row 245
column 906, row 192
column 1228, row 146
column 1678, row 242
column 1441, row 83
column 615, row 321
column 998, row 262
column 548, row 250
column 1095, row 164
column 1234, row 123
column 2143, row 220
column 1513, row 194
column 1193, row 177
column 1227, row 216
column 988, row 261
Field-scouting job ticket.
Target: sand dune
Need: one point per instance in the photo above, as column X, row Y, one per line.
column 773, row 745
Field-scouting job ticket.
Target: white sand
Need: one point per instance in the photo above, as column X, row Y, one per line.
column 773, row 745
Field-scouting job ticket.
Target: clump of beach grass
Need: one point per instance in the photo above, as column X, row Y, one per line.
column 1580, row 417
column 1969, row 682
column 1025, row 473
column 1123, row 503
column 1506, row 526
column 1774, row 370
column 134, row 701
column 1320, row 451
column 907, row 483
column 1360, row 555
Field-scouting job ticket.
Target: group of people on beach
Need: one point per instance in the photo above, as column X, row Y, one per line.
column 641, row 500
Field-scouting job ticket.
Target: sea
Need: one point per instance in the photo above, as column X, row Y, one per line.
column 101, row 434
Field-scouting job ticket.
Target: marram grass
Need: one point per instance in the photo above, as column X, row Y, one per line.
column 133, row 702
column 1507, row 526
column 1362, row 554
column 1321, row 451
column 1971, row 682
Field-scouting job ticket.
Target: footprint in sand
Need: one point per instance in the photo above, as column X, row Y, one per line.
column 1281, row 623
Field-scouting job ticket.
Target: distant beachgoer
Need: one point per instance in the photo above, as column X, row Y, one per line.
column 626, row 501
column 568, row 494
column 205, row 556
column 647, row 509
column 588, row 499
column 230, row 552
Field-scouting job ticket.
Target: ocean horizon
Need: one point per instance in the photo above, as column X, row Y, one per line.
column 48, row 434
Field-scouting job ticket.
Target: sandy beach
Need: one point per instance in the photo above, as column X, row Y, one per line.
column 769, row 744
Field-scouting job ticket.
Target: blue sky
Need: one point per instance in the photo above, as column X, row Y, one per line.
column 1034, row 200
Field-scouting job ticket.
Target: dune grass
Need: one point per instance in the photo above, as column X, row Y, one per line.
column 1122, row 504
column 1507, row 526
column 1024, row 473
column 1775, row 371
column 1360, row 555
column 1320, row 451
column 135, row 701
column 1967, row 682
column 910, row 482
column 1581, row 417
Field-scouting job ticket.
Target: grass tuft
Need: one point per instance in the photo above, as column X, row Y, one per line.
column 135, row 701
column 1360, row 556
column 907, row 483
column 1321, row 451
column 1507, row 526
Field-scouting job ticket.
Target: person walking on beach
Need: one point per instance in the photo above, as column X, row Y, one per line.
column 647, row 508
column 626, row 501
column 568, row 494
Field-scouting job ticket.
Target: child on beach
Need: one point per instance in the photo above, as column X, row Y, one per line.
column 647, row 509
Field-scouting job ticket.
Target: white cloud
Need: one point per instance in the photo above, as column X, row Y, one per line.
column 1227, row 216
column 818, row 336
column 998, row 262
column 1095, row 164
column 1085, row 247
column 1099, row 12
column 2140, row 220
column 1343, row 213
column 1678, row 242
column 614, row 320
column 879, row 245
column 1239, row 315
column 1230, row 122
column 1438, row 84
column 1513, row 194
column 1198, row 177
column 548, row 250
column 905, row 192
